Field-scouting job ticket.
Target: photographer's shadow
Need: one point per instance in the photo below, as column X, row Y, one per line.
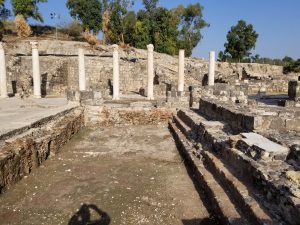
column 84, row 216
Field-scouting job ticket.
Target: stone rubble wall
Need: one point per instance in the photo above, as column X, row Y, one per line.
column 59, row 69
column 244, row 118
column 21, row 154
column 117, row 116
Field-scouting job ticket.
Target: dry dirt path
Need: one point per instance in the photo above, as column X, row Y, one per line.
column 120, row 175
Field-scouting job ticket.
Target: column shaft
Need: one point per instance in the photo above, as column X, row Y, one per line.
column 3, row 78
column 116, row 74
column 211, row 72
column 36, row 70
column 81, row 69
column 181, row 70
column 150, row 72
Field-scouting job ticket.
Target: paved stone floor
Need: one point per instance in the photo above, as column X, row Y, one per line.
column 16, row 113
column 120, row 175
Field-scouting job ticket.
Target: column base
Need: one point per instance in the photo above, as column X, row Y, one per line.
column 37, row 96
column 3, row 96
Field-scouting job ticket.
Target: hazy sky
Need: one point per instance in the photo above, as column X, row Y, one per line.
column 276, row 21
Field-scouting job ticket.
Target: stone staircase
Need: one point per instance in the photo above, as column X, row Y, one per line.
column 239, row 189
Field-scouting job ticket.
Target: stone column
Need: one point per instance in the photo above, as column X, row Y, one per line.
column 181, row 71
column 150, row 72
column 36, row 70
column 3, row 81
column 81, row 69
column 116, row 73
column 211, row 71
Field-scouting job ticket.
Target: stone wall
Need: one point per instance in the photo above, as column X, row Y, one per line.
column 116, row 116
column 59, row 69
column 244, row 118
column 21, row 154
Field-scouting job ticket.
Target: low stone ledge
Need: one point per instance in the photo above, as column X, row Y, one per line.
column 117, row 116
column 19, row 156
column 245, row 119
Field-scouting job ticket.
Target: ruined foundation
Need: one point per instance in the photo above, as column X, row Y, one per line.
column 161, row 140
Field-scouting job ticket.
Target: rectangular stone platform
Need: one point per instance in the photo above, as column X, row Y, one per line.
column 17, row 115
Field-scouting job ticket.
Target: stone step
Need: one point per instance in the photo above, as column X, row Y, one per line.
column 264, row 176
column 185, row 129
column 238, row 191
column 216, row 196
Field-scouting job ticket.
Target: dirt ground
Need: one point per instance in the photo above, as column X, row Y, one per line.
column 120, row 175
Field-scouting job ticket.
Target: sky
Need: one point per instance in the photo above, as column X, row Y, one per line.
column 276, row 21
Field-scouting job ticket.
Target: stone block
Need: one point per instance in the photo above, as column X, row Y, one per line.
column 259, row 147
column 73, row 96
column 293, row 124
column 294, row 90
column 85, row 95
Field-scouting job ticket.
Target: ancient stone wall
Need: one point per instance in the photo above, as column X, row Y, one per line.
column 20, row 154
column 244, row 118
column 116, row 116
column 59, row 69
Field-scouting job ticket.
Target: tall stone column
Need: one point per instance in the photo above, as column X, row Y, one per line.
column 36, row 70
column 150, row 72
column 81, row 69
column 116, row 74
column 211, row 71
column 181, row 71
column 3, row 81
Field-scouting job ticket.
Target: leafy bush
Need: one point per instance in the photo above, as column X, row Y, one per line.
column 293, row 66
column 23, row 29
column 73, row 29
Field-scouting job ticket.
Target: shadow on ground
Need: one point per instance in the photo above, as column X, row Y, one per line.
column 205, row 221
column 91, row 215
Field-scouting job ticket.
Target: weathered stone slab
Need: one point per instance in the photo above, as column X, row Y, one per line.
column 259, row 147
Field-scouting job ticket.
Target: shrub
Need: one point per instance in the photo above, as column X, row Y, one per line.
column 73, row 29
column 90, row 38
column 22, row 27
column 292, row 67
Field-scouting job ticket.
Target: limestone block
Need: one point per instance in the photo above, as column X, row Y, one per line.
column 293, row 176
column 259, row 147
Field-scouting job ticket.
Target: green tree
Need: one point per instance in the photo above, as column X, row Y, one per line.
column 116, row 30
column 166, row 31
column 88, row 12
column 287, row 59
column 190, row 22
column 141, row 36
column 129, row 22
column 240, row 40
column 151, row 6
column 4, row 15
column 27, row 8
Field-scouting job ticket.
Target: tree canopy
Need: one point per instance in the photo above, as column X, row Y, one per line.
column 27, row 8
column 241, row 39
column 191, row 22
column 116, row 29
column 167, row 30
column 88, row 12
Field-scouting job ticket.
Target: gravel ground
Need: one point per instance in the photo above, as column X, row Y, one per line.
column 120, row 175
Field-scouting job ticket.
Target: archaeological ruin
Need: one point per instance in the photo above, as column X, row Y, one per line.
column 111, row 135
